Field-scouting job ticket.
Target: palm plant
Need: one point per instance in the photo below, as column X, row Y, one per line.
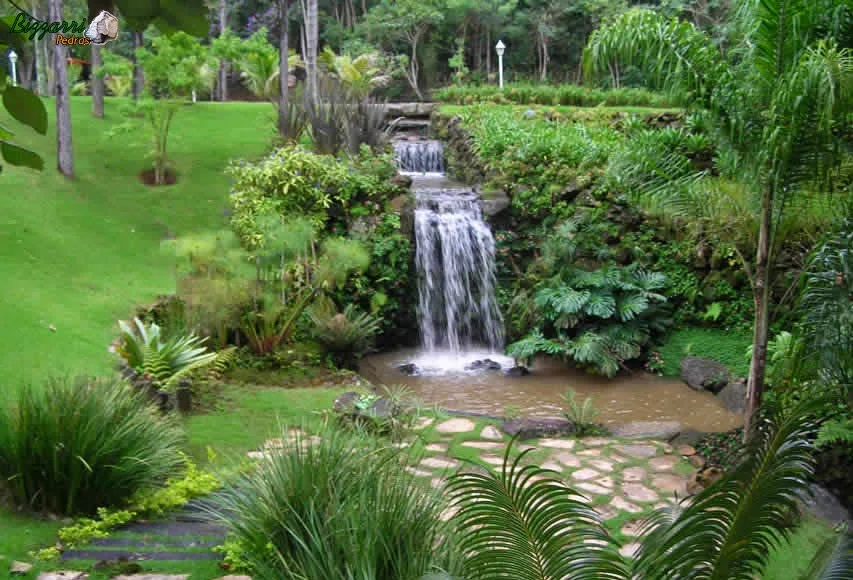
column 778, row 103
column 359, row 75
column 346, row 335
column 527, row 520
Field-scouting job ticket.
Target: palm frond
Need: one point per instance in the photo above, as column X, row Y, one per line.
column 730, row 528
column 525, row 523
column 834, row 560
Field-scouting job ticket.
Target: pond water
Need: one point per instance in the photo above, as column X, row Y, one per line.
column 637, row 397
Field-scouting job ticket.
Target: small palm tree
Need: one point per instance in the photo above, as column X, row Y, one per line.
column 778, row 102
column 527, row 520
column 360, row 75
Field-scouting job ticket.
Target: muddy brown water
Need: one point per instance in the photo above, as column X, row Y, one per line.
column 637, row 397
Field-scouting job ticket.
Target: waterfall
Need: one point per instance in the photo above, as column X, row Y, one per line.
column 419, row 156
column 455, row 255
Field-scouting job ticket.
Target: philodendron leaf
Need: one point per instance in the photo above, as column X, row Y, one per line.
column 26, row 107
column 17, row 155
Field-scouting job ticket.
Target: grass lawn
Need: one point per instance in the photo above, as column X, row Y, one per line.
column 77, row 254
column 727, row 347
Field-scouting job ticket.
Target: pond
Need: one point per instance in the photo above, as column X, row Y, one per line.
column 639, row 396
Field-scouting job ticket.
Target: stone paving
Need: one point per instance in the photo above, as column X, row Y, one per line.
column 622, row 478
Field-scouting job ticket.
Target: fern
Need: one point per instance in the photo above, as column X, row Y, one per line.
column 835, row 431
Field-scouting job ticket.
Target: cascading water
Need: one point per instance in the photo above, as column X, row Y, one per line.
column 419, row 156
column 456, row 261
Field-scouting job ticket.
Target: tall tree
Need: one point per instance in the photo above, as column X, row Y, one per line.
column 64, row 153
column 780, row 103
column 97, row 61
column 284, row 68
column 406, row 20
column 312, row 39
column 223, row 65
column 138, row 73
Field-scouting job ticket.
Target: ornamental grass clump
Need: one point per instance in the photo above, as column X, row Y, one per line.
column 73, row 445
column 341, row 508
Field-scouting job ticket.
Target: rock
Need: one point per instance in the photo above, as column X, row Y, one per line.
column 422, row 423
column 491, row 433
column 346, row 402
column 152, row 577
column 438, row 463
column 638, row 451
column 494, row 204
column 485, row 364
column 733, row 396
column 686, row 450
column 20, row 568
column 704, row 374
column 409, row 109
column 696, row 461
column 537, row 428
column 558, row 443
column 403, row 181
column 518, row 371
column 628, row 550
column 670, row 483
column 437, row 447
column 621, row 504
column 63, row 575
column 665, row 463
column 665, row 430
column 633, row 474
column 458, row 425
column 822, row 503
column 584, row 474
column 639, row 492
column 529, row 114
column 483, row 444
column 382, row 408
column 703, row 478
column 409, row 369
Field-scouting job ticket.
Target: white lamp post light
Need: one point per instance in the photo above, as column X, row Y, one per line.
column 499, row 48
column 13, row 58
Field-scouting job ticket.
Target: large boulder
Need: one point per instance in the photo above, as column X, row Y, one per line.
column 733, row 396
column 485, row 364
column 666, row 430
column 518, row 371
column 704, row 374
column 409, row 109
column 536, row 428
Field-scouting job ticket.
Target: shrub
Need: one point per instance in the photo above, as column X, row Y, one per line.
column 294, row 181
column 569, row 95
column 72, row 446
column 581, row 414
column 597, row 319
column 347, row 335
column 166, row 361
column 341, row 508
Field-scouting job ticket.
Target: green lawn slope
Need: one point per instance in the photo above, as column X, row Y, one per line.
column 75, row 255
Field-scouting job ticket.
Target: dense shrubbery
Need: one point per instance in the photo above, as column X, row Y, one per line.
column 293, row 181
column 73, row 446
column 539, row 94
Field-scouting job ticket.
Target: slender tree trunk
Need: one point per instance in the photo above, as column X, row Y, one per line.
column 412, row 73
column 97, row 82
column 284, row 69
column 488, row 52
column 138, row 74
column 311, row 41
column 64, row 154
column 761, row 296
column 223, row 66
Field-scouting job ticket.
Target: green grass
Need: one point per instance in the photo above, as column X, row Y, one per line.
column 77, row 254
column 727, row 347
column 792, row 560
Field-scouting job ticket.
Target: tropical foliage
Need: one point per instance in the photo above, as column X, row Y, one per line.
column 346, row 335
column 527, row 520
column 166, row 361
column 539, row 94
column 71, row 446
column 779, row 105
column 597, row 319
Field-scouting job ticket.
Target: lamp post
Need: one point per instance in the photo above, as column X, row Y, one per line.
column 499, row 48
column 13, row 58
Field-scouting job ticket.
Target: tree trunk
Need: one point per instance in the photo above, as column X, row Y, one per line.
column 138, row 74
column 284, row 70
column 488, row 52
column 761, row 295
column 412, row 73
column 223, row 66
column 97, row 82
column 311, row 41
column 64, row 155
